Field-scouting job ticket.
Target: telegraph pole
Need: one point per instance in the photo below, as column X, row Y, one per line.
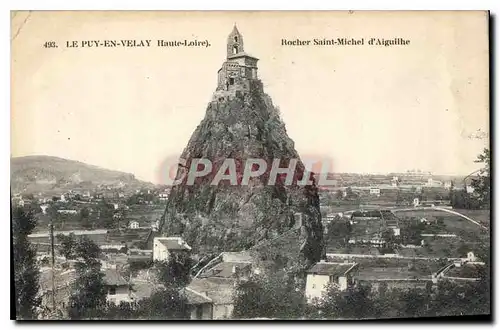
column 53, row 263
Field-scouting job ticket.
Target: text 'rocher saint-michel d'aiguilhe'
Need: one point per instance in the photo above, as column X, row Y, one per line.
column 346, row 42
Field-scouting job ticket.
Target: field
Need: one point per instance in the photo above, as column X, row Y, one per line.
column 470, row 236
column 454, row 223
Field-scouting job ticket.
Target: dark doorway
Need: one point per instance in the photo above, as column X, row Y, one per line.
column 231, row 81
column 199, row 312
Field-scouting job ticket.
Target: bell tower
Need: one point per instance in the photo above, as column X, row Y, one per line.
column 234, row 43
column 239, row 68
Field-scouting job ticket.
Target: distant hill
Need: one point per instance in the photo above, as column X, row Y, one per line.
column 47, row 173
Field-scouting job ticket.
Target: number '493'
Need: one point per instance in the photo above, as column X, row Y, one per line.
column 50, row 44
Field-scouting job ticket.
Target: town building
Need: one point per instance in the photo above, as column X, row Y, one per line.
column 329, row 218
column 324, row 274
column 163, row 196
column 164, row 246
column 215, row 297
column 201, row 306
column 117, row 288
column 44, row 208
column 133, row 225
column 469, row 189
column 211, row 292
column 63, row 211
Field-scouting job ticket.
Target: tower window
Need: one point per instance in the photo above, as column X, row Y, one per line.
column 235, row 39
column 235, row 49
column 231, row 81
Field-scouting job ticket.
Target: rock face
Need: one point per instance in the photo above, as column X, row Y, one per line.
column 241, row 123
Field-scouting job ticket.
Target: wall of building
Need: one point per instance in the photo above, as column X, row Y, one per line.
column 343, row 283
column 239, row 69
column 160, row 251
column 122, row 293
column 204, row 309
column 315, row 285
column 222, row 311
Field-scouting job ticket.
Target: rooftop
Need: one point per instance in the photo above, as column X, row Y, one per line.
column 139, row 258
column 241, row 54
column 174, row 243
column 219, row 290
column 195, row 298
column 237, row 256
column 141, row 290
column 225, row 269
column 113, row 277
column 331, row 268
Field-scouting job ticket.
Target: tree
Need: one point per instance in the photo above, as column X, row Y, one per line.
column 67, row 245
column 247, row 303
column 414, row 303
column 399, row 197
column 349, row 193
column 85, row 218
column 105, row 215
column 460, row 299
column 88, row 300
column 338, row 230
column 355, row 303
column 272, row 296
column 451, row 195
column 482, row 184
column 26, row 272
column 411, row 233
column 174, row 273
column 339, row 194
column 54, row 215
column 165, row 303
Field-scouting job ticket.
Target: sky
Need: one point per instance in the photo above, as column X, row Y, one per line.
column 367, row 108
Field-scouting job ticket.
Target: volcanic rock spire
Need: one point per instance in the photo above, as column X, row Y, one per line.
column 242, row 125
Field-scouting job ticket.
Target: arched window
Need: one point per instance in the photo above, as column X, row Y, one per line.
column 235, row 39
column 235, row 49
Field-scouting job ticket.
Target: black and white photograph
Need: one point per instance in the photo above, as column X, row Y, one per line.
column 250, row 165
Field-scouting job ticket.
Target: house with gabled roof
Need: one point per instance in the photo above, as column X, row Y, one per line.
column 164, row 246
column 118, row 289
column 324, row 274
column 215, row 291
column 201, row 306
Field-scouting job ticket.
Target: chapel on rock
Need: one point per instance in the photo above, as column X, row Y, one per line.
column 239, row 68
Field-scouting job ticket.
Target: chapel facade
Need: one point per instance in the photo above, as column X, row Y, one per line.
column 239, row 68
